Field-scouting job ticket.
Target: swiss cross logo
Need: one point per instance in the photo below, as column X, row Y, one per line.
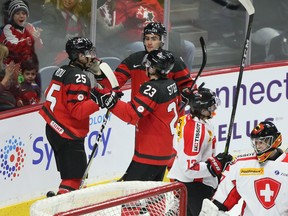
column 267, row 190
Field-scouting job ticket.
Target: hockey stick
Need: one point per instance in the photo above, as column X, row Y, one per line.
column 105, row 68
column 203, row 64
column 250, row 10
column 204, row 60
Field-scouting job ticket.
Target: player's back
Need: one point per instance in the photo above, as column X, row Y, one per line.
column 65, row 95
column 159, row 100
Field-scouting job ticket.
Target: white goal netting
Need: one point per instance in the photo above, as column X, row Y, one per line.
column 118, row 198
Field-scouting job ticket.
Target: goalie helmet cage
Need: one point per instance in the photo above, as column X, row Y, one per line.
column 118, row 198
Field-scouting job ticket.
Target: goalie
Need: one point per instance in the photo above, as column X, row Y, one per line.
column 260, row 179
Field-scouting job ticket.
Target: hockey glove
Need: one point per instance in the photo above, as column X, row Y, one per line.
column 216, row 165
column 186, row 94
column 94, row 68
column 106, row 98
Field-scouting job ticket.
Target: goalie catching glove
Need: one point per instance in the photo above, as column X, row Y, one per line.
column 106, row 98
column 216, row 165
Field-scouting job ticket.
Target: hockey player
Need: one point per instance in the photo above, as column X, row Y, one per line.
column 260, row 179
column 131, row 68
column 154, row 36
column 195, row 164
column 154, row 111
column 66, row 111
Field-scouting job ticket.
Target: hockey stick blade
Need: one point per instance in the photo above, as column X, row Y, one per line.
column 106, row 69
column 247, row 4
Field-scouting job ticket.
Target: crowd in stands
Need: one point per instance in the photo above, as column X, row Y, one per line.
column 35, row 31
column 32, row 44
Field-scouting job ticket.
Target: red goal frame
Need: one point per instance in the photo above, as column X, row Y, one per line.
column 134, row 197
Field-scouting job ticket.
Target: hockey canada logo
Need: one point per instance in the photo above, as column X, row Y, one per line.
column 267, row 190
column 12, row 157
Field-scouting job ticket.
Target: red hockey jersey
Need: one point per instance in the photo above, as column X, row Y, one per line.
column 132, row 68
column 154, row 111
column 68, row 104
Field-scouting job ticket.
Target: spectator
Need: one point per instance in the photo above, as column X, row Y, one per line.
column 268, row 37
column 125, row 20
column 61, row 21
column 196, row 164
column 19, row 36
column 259, row 178
column 30, row 91
column 9, row 88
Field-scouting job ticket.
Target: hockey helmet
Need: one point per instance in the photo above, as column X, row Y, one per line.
column 162, row 60
column 265, row 137
column 77, row 45
column 156, row 28
column 203, row 99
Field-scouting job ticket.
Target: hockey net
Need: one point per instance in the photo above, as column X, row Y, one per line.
column 118, row 198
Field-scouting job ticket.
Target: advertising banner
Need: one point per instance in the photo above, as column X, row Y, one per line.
column 27, row 164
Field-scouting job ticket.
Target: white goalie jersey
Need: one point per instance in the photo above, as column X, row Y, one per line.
column 263, row 188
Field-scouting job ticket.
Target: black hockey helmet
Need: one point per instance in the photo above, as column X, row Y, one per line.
column 162, row 60
column 203, row 99
column 156, row 28
column 77, row 45
column 265, row 133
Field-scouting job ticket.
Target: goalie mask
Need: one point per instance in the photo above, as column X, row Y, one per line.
column 265, row 138
column 160, row 61
column 157, row 29
column 203, row 103
column 77, row 45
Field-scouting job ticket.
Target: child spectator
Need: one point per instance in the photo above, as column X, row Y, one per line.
column 30, row 92
column 18, row 35
column 9, row 88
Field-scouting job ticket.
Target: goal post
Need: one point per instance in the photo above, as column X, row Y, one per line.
column 118, row 198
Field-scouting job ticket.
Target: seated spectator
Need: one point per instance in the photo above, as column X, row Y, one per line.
column 9, row 88
column 19, row 36
column 60, row 21
column 30, row 91
column 120, row 24
column 269, row 34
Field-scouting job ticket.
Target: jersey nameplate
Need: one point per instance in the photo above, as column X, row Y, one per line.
column 60, row 72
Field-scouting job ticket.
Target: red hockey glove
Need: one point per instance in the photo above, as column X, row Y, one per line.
column 216, row 165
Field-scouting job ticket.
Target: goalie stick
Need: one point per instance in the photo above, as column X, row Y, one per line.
column 203, row 64
column 105, row 68
column 250, row 10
